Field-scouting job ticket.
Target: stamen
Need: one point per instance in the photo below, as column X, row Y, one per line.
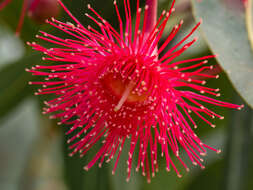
column 125, row 95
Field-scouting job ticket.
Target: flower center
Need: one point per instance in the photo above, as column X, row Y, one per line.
column 123, row 89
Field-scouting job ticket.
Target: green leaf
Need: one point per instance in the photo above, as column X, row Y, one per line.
column 14, row 85
column 226, row 35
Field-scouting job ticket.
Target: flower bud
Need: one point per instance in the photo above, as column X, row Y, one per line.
column 40, row 10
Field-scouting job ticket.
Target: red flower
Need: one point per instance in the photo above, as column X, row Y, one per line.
column 117, row 87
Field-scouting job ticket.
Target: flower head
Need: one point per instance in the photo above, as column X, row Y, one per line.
column 115, row 87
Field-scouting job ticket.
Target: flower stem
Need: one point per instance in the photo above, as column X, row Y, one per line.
column 151, row 18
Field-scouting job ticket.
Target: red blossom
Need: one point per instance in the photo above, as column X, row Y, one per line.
column 113, row 87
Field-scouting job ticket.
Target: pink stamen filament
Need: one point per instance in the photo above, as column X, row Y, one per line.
column 151, row 15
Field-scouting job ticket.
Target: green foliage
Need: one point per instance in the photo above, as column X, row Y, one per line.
column 226, row 34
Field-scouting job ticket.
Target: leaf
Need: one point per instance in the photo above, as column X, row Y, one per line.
column 225, row 32
column 14, row 85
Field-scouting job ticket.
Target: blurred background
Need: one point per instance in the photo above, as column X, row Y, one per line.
column 33, row 150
